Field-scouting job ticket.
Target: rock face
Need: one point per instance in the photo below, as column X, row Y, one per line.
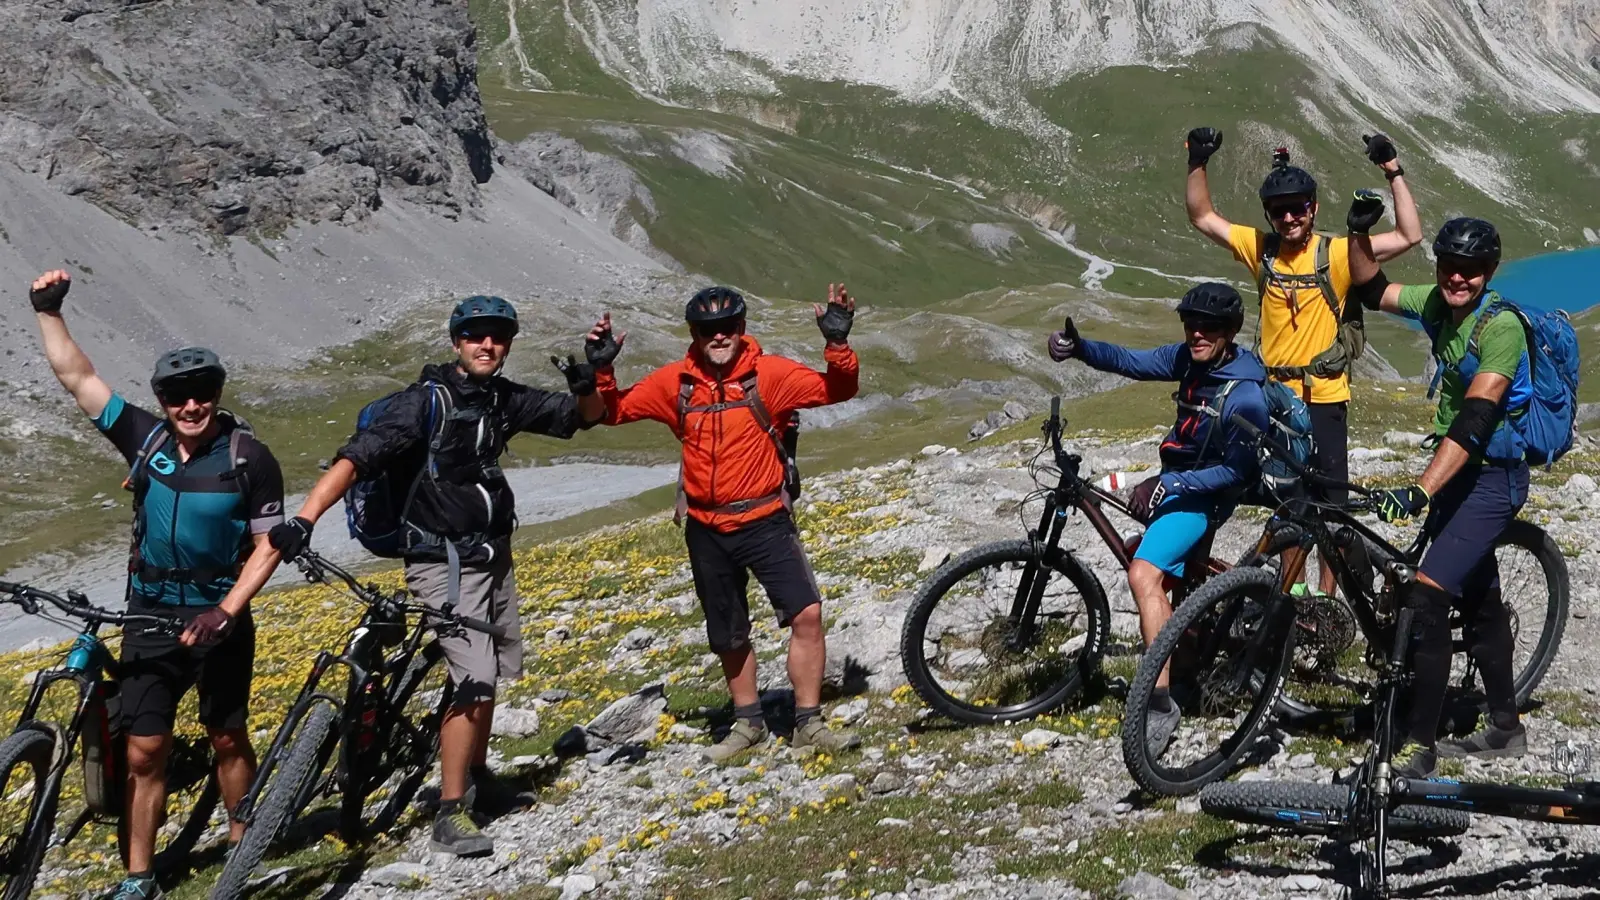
column 245, row 114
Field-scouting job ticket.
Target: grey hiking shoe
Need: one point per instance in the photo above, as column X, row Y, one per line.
column 740, row 737
column 455, row 832
column 488, row 795
column 1488, row 742
column 1158, row 728
column 1415, row 761
column 816, row 735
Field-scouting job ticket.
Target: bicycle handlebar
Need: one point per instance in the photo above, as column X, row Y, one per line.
column 316, row 568
column 1283, row 455
column 78, row 606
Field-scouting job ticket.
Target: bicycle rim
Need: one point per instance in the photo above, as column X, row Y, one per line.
column 27, row 808
column 1535, row 587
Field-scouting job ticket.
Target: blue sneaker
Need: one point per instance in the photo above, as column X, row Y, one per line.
column 133, row 888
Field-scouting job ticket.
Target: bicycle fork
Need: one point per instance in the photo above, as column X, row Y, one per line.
column 1030, row 588
column 1394, row 677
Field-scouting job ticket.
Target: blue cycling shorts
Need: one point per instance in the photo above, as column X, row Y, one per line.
column 1179, row 525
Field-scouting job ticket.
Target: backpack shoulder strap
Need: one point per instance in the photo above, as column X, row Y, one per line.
column 1492, row 308
column 151, row 443
column 752, row 393
column 685, row 392
column 1324, row 264
column 1270, row 244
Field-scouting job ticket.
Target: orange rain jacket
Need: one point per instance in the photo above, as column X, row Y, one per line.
column 727, row 457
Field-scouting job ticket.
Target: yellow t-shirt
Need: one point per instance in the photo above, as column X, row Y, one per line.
column 1296, row 323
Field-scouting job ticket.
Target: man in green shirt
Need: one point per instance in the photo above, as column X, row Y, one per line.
column 1476, row 483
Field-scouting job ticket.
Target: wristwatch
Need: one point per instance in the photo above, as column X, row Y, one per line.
column 1398, row 171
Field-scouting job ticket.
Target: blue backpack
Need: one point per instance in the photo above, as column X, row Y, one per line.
column 1547, row 424
column 1288, row 425
column 375, row 507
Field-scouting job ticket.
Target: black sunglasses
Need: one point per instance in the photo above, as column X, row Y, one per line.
column 1204, row 323
column 1297, row 208
column 717, row 328
column 496, row 334
column 181, row 392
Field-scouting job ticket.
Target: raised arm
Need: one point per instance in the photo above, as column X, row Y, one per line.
column 1407, row 231
column 67, row 360
column 800, row 387
column 1368, row 285
column 1158, row 364
column 1203, row 216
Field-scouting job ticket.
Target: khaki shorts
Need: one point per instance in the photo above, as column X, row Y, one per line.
column 489, row 592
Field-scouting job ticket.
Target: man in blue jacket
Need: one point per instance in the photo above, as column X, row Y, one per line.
column 1206, row 461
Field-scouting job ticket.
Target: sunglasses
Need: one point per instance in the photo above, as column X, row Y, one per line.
column 479, row 335
column 1206, row 324
column 180, row 393
column 719, row 328
column 1294, row 209
column 1466, row 268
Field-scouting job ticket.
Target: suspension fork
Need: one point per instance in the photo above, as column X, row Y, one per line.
column 1395, row 676
column 1030, row 588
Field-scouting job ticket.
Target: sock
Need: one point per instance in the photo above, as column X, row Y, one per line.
column 142, row 876
column 449, row 807
column 1161, row 700
column 480, row 772
column 804, row 714
column 750, row 715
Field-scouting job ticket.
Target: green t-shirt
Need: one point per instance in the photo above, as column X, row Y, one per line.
column 1501, row 346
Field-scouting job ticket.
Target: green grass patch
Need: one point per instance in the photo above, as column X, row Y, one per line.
column 1104, row 858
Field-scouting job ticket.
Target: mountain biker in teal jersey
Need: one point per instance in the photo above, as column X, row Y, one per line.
column 1476, row 483
column 1207, row 462
column 205, row 495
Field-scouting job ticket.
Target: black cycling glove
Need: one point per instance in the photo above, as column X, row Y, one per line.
column 1366, row 210
column 1202, row 143
column 49, row 299
column 580, row 375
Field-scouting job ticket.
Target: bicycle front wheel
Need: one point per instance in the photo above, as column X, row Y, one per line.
column 28, row 797
column 1228, row 648
column 971, row 657
column 282, row 799
column 1322, row 809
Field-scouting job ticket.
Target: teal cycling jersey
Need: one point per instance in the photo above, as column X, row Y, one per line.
column 195, row 516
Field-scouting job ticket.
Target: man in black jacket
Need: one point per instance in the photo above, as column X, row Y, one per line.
column 459, row 522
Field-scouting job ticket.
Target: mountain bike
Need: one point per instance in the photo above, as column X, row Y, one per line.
column 35, row 758
column 1243, row 646
column 378, row 726
column 1013, row 629
column 1377, row 804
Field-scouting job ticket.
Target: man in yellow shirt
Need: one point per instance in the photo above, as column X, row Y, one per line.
column 1302, row 279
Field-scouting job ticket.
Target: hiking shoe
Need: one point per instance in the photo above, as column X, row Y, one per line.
column 740, row 737
column 816, row 735
column 1158, row 728
column 1414, row 761
column 1487, row 742
column 455, row 832
column 133, row 888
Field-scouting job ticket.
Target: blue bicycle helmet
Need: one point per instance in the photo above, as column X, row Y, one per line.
column 479, row 309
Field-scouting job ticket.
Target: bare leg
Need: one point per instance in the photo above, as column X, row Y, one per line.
column 1146, row 583
column 147, row 796
column 808, row 656
column 236, row 768
column 458, row 740
column 739, row 668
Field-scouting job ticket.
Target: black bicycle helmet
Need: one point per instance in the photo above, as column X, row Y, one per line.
column 479, row 309
column 187, row 363
column 1214, row 299
column 713, row 304
column 1287, row 181
column 1468, row 238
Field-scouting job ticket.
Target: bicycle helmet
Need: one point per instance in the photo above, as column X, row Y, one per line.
column 1214, row 299
column 713, row 304
column 1468, row 238
column 1287, row 181
column 477, row 310
column 185, row 364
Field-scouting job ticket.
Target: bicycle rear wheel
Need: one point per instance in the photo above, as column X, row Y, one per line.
column 28, row 797
column 1229, row 653
column 1322, row 809
column 383, row 778
column 282, row 799
column 970, row 659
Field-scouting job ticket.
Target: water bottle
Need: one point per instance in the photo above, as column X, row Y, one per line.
column 1116, row 481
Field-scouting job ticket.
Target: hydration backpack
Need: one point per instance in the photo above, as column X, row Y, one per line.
column 1350, row 336
column 1288, row 425
column 1547, row 424
column 786, row 441
column 375, row 507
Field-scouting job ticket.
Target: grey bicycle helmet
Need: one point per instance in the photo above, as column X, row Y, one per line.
column 187, row 363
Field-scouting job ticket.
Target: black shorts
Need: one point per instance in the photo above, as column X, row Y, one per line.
column 1330, row 430
column 722, row 564
column 154, row 675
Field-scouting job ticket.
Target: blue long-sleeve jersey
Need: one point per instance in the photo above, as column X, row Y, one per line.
column 1204, row 453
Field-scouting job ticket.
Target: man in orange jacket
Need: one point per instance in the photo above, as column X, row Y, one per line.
column 730, row 406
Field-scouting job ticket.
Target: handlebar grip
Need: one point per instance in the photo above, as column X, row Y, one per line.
column 1055, row 407
column 494, row 631
column 1240, row 422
